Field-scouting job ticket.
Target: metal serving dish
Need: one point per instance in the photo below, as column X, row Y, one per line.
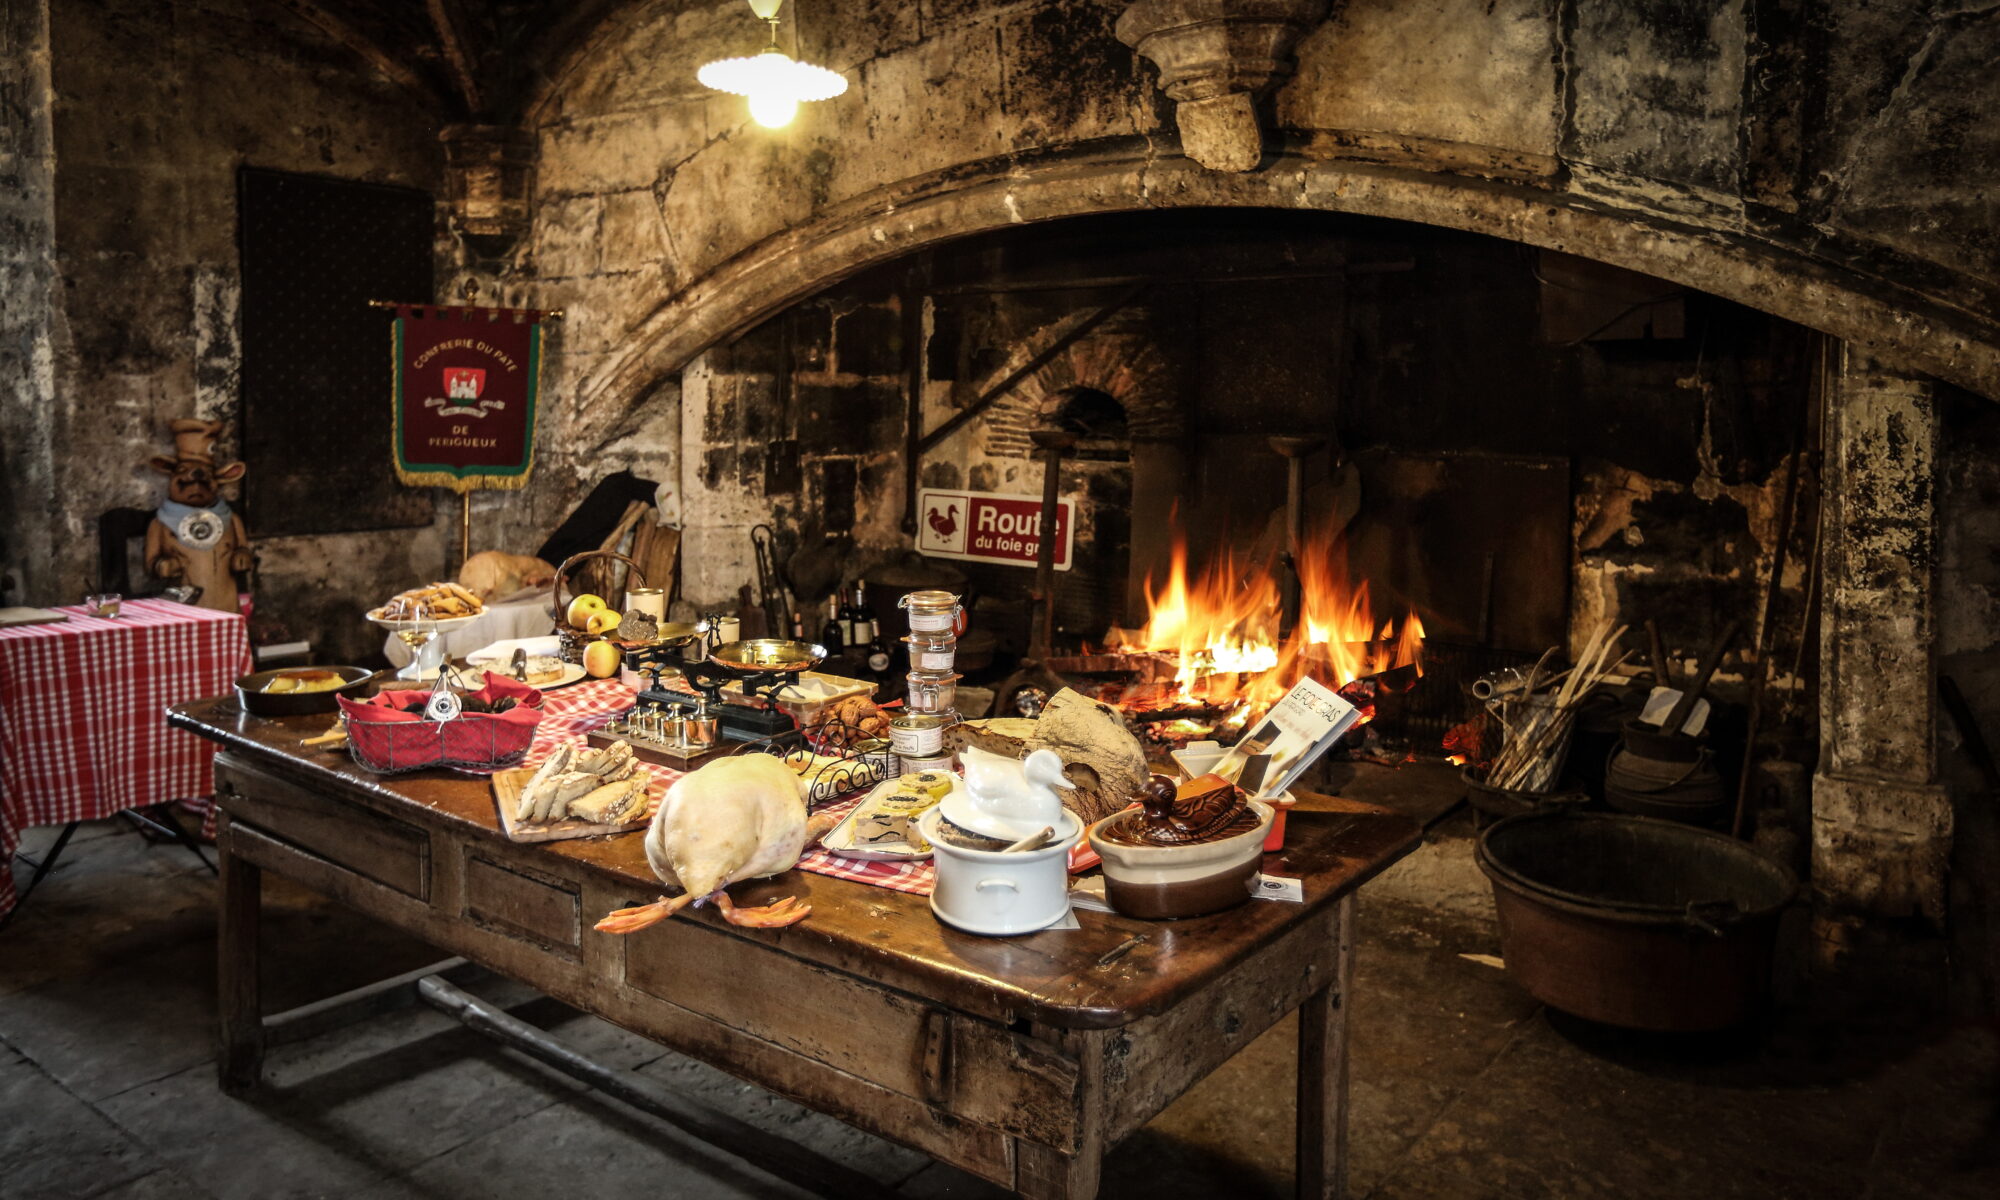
column 251, row 695
column 767, row 654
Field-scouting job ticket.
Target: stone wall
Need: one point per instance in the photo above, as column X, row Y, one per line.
column 29, row 304
column 155, row 105
column 1826, row 170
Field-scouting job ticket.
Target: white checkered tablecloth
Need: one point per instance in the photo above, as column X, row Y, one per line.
column 568, row 714
column 83, row 713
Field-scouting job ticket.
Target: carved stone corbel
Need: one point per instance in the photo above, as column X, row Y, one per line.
column 1216, row 58
column 489, row 181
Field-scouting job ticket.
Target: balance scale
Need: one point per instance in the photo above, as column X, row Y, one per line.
column 759, row 666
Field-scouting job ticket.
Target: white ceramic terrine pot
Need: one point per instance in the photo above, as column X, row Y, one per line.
column 996, row 894
column 1180, row 881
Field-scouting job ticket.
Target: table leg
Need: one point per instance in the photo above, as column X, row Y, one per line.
column 240, row 1062
column 1041, row 1173
column 1322, row 1101
column 42, row 870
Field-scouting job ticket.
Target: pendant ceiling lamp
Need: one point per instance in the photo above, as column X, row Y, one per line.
column 774, row 82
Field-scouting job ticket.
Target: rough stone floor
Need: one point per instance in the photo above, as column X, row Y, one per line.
column 1462, row 1086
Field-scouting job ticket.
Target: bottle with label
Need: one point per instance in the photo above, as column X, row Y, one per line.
column 798, row 626
column 860, row 621
column 879, row 657
column 833, row 636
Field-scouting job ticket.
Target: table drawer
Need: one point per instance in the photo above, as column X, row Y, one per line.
column 393, row 853
column 958, row 1064
column 525, row 904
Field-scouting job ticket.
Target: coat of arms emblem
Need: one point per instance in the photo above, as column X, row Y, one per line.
column 464, row 383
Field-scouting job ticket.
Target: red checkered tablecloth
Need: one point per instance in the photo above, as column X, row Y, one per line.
column 572, row 712
column 83, row 713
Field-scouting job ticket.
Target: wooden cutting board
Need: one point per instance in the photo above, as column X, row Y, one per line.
column 10, row 617
column 507, row 787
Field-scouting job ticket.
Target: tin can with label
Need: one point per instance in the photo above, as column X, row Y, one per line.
column 918, row 734
column 939, row 762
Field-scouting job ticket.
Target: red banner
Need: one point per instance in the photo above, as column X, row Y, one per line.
column 465, row 391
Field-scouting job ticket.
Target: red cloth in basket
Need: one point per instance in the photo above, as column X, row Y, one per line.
column 387, row 733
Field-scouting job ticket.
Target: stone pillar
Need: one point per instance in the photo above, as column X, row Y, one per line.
column 1881, row 821
column 31, row 320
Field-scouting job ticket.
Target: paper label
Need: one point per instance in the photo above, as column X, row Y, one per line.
column 1280, row 887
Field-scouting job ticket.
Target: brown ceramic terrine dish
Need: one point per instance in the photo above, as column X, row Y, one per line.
column 1154, row 882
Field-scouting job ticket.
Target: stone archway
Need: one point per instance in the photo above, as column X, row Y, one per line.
column 1126, row 175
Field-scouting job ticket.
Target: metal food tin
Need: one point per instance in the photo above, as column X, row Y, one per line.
column 932, row 611
column 917, row 735
column 941, row 762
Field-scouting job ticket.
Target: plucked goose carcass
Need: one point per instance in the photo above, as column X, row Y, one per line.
column 742, row 817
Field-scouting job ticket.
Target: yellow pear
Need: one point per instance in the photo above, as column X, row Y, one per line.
column 602, row 659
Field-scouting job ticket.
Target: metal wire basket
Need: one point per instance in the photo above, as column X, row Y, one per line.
column 480, row 741
column 844, row 760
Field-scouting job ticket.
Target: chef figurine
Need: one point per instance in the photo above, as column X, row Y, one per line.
column 194, row 538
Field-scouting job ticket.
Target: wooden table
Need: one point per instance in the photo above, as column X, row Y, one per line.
column 1021, row 1060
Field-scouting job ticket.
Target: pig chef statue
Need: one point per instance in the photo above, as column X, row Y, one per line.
column 194, row 538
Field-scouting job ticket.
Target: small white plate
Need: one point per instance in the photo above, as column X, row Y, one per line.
column 547, row 646
column 840, row 839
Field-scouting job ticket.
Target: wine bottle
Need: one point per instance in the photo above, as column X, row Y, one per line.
column 860, row 621
column 833, row 637
column 879, row 657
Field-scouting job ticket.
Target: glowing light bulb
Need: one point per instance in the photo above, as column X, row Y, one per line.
column 774, row 83
column 773, row 110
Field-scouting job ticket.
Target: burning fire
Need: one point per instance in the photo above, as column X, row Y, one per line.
column 1222, row 629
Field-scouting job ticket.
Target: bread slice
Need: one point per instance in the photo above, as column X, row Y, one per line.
column 606, row 761
column 531, row 792
column 556, row 797
column 611, row 803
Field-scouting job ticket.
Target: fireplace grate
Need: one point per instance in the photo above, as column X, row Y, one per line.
column 1442, row 699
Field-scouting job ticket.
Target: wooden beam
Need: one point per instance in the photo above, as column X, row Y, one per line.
column 341, row 30
column 460, row 56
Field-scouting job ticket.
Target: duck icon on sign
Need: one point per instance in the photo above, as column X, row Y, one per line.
column 464, row 383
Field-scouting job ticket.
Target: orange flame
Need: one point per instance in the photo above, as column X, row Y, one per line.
column 1222, row 629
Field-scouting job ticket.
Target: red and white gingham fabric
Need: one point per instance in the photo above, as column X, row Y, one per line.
column 83, row 713
column 570, row 713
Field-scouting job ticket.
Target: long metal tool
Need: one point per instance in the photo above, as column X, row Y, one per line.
column 787, row 1160
column 1294, row 450
column 1051, row 443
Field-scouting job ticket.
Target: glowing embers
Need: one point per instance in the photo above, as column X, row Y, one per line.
column 1221, row 630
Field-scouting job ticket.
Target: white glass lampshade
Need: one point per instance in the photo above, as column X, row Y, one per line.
column 774, row 82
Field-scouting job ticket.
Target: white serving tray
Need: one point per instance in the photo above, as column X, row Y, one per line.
column 840, row 839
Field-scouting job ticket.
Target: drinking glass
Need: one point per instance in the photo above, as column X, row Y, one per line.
column 418, row 633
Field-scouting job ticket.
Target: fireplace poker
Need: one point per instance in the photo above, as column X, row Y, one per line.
column 1052, row 443
column 1294, row 450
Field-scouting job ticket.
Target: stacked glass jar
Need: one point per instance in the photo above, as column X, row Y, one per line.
column 918, row 732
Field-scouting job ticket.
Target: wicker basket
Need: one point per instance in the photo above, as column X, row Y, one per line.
column 570, row 641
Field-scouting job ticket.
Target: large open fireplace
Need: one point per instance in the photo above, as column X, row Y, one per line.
column 1396, row 458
